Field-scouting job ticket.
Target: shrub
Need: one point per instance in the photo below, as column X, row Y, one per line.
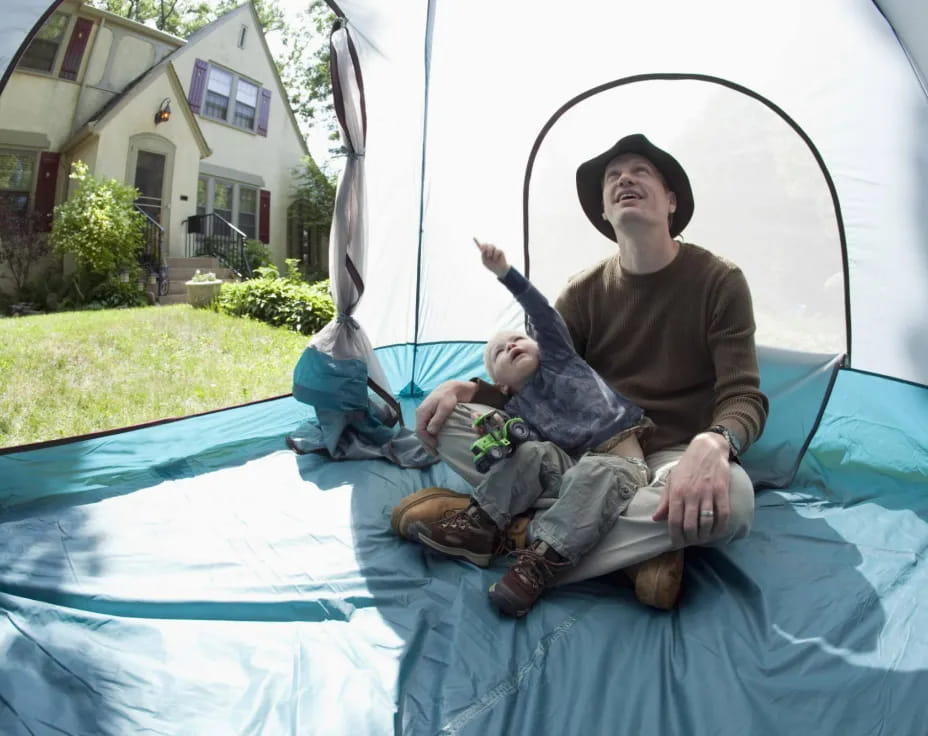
column 279, row 301
column 22, row 246
column 99, row 226
column 113, row 293
column 258, row 254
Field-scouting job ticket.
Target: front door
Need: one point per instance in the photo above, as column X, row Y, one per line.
column 149, row 180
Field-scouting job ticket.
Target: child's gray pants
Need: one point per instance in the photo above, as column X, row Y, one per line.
column 588, row 494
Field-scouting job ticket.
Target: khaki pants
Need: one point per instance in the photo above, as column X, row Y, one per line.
column 634, row 537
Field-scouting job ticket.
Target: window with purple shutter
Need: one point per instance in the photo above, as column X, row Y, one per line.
column 197, row 85
column 75, row 52
column 265, row 111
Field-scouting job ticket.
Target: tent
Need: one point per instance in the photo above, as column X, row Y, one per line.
column 197, row 577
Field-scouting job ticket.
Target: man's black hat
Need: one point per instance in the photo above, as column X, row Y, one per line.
column 590, row 182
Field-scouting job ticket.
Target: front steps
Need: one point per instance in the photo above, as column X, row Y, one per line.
column 181, row 270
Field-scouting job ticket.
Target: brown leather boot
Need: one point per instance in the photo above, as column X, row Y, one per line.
column 434, row 503
column 427, row 505
column 470, row 534
column 535, row 569
column 658, row 580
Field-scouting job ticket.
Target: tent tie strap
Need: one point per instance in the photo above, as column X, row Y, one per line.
column 347, row 319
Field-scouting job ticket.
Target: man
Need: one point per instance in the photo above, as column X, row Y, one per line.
column 671, row 327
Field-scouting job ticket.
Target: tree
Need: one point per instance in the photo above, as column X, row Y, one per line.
column 305, row 69
column 22, row 246
column 195, row 15
column 183, row 17
column 315, row 194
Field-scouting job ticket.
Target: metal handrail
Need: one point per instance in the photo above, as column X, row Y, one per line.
column 148, row 217
column 224, row 221
column 213, row 235
column 150, row 258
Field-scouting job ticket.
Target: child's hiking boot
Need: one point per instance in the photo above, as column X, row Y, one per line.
column 470, row 534
column 658, row 580
column 534, row 570
column 425, row 505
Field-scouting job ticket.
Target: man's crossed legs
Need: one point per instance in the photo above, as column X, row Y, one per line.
column 635, row 543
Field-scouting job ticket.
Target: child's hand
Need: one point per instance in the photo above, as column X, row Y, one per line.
column 481, row 428
column 493, row 258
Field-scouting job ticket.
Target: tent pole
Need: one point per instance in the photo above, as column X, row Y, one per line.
column 412, row 389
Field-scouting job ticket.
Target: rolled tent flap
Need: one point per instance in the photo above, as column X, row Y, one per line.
column 349, row 424
column 338, row 373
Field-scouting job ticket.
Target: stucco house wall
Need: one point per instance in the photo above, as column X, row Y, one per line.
column 115, row 140
column 240, row 156
column 101, row 108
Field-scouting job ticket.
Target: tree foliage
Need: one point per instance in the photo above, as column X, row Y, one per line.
column 183, row 17
column 305, row 69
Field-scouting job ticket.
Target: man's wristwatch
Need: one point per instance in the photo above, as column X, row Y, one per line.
column 734, row 447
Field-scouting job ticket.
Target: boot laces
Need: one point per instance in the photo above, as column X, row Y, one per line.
column 534, row 568
column 457, row 519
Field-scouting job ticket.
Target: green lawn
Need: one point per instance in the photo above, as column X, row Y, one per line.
column 77, row 372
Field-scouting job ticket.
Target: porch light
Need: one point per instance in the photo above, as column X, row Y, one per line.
column 164, row 111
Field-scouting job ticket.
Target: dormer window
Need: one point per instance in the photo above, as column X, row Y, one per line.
column 42, row 51
column 225, row 96
column 231, row 98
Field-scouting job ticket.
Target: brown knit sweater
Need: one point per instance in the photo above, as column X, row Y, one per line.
column 678, row 342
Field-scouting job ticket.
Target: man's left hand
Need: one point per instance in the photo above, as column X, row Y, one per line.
column 696, row 501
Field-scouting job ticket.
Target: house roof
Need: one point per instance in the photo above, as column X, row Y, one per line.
column 113, row 19
column 281, row 90
column 140, row 83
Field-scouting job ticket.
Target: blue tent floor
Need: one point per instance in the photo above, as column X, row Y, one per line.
column 241, row 589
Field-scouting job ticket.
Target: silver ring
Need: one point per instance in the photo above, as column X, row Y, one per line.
column 708, row 514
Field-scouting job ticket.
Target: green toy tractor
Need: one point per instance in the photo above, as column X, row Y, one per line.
column 500, row 439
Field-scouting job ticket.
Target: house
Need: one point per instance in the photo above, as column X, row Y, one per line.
column 201, row 127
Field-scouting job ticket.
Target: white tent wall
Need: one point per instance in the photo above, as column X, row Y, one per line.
column 498, row 72
column 910, row 22
column 393, row 70
column 753, row 167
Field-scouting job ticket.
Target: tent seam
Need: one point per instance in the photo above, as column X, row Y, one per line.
column 510, row 685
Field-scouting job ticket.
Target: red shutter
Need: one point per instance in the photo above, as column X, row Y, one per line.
column 264, row 111
column 197, row 85
column 264, row 217
column 45, row 190
column 72, row 57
